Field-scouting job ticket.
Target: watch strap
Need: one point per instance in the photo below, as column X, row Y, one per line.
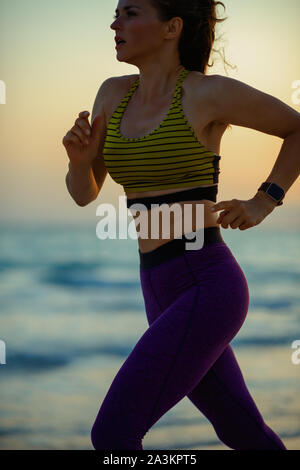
column 273, row 190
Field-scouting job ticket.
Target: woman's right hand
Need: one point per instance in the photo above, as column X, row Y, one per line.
column 82, row 141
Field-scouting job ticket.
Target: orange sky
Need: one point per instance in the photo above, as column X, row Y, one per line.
column 54, row 57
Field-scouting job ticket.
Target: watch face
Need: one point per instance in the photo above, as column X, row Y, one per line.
column 275, row 191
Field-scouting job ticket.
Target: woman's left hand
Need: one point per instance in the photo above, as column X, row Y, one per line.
column 244, row 214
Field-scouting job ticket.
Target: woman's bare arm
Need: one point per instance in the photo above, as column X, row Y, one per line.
column 87, row 171
column 101, row 107
column 242, row 105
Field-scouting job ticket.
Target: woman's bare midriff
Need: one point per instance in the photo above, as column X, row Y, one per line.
column 148, row 244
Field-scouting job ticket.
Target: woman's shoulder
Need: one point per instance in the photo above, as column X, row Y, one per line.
column 117, row 88
column 198, row 82
column 194, row 77
column 116, row 84
column 122, row 82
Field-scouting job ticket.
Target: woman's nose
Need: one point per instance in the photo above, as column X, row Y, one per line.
column 114, row 24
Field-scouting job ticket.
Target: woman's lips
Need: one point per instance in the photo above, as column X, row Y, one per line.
column 121, row 44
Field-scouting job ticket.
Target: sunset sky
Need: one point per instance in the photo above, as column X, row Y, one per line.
column 55, row 55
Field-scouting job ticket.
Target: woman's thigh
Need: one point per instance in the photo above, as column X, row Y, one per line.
column 166, row 364
column 221, row 393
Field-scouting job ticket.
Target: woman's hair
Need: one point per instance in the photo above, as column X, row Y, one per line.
column 198, row 34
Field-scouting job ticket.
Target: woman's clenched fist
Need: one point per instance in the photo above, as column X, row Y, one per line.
column 82, row 141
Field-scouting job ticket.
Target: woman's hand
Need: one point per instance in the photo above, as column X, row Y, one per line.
column 82, row 141
column 244, row 214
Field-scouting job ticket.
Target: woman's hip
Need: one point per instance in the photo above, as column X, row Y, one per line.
column 169, row 271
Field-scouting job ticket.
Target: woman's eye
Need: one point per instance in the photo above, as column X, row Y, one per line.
column 129, row 13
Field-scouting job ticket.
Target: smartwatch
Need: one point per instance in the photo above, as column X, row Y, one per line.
column 274, row 191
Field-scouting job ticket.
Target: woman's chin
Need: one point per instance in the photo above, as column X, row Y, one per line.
column 123, row 58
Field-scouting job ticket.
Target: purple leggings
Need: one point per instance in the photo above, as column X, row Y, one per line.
column 196, row 301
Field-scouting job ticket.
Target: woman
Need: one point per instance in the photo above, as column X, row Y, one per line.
column 196, row 300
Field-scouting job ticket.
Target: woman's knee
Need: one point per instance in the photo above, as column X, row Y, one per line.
column 260, row 438
column 97, row 437
column 102, row 439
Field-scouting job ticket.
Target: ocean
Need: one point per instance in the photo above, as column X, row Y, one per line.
column 71, row 311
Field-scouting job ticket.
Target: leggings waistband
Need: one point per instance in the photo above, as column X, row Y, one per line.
column 176, row 247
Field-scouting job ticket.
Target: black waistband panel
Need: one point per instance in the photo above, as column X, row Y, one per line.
column 176, row 247
column 194, row 194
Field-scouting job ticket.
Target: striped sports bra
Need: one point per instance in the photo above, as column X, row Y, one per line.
column 170, row 156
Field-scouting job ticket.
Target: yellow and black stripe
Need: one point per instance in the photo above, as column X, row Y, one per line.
column 171, row 156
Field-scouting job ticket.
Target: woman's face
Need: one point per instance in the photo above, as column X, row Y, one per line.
column 140, row 27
